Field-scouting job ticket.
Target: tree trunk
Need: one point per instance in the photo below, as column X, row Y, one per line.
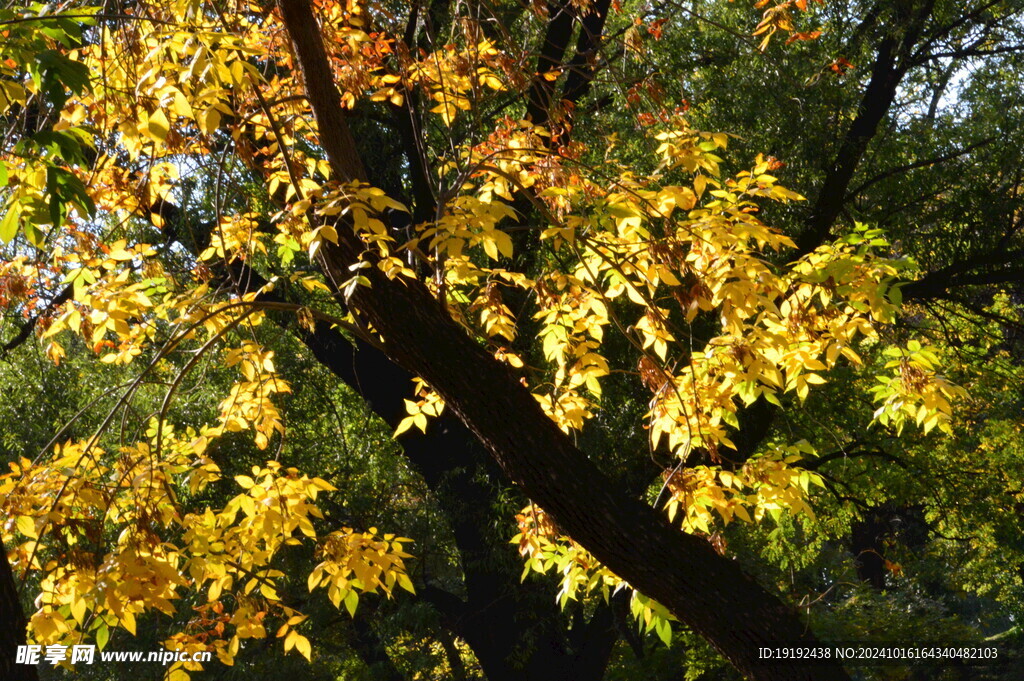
column 706, row 591
column 890, row 65
column 515, row 629
column 12, row 626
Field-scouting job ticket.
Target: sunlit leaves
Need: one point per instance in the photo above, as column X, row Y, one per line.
column 778, row 16
column 429, row 405
column 360, row 561
column 766, row 485
column 235, row 237
column 915, row 390
column 661, row 271
column 580, row 574
column 453, row 77
column 249, row 403
column 110, row 543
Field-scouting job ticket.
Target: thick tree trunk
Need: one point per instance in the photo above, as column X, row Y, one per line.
column 706, row 591
column 12, row 626
column 551, row 52
column 683, row 572
column 891, row 64
column 515, row 629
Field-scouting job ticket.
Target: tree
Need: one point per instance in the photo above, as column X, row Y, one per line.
column 664, row 267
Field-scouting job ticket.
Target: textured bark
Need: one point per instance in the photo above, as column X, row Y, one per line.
column 892, row 60
column 706, row 591
column 552, row 51
column 582, row 66
column 514, row 629
column 12, row 626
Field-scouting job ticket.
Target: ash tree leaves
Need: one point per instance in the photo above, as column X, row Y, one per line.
column 64, row 507
column 669, row 258
column 40, row 73
column 104, row 531
column 646, row 258
column 915, row 390
column 779, row 16
column 54, row 75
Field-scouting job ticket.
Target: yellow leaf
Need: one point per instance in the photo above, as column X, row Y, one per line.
column 504, row 243
column 180, row 105
column 78, row 610
column 158, row 125
column 302, row 645
column 210, row 120
column 178, row 674
column 405, row 583
column 492, row 81
column 700, row 184
column 27, row 526
column 404, row 425
column 314, row 579
column 128, row 621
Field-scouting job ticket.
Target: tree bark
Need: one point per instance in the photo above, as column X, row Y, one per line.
column 582, row 66
column 12, row 627
column 515, row 629
column 706, row 591
column 892, row 60
column 552, row 51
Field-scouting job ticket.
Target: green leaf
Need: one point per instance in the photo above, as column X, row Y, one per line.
column 9, row 223
column 351, row 601
column 664, row 630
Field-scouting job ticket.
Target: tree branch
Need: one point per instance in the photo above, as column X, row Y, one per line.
column 681, row 571
column 853, row 193
column 961, row 273
column 12, row 626
column 29, row 326
column 891, row 64
column 582, row 66
column 552, row 51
